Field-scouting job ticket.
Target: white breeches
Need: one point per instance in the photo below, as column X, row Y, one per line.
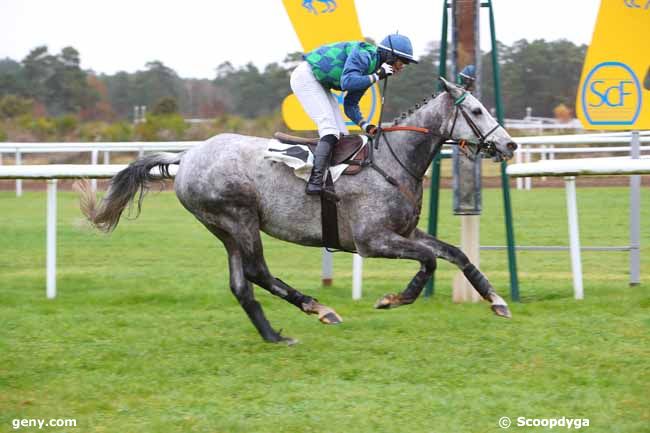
column 318, row 102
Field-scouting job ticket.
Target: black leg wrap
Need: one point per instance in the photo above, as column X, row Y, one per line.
column 478, row 280
column 415, row 287
column 292, row 295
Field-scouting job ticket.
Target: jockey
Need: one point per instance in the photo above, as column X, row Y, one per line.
column 349, row 66
column 467, row 77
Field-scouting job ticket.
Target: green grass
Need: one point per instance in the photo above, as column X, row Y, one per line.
column 146, row 337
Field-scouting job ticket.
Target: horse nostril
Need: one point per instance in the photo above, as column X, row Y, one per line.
column 512, row 146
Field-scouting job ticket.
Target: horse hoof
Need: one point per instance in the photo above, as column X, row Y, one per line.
column 330, row 318
column 288, row 341
column 325, row 314
column 388, row 301
column 501, row 310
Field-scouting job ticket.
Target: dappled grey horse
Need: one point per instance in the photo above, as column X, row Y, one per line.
column 228, row 185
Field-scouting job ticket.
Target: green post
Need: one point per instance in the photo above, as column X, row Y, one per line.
column 433, row 213
column 435, row 164
column 505, row 184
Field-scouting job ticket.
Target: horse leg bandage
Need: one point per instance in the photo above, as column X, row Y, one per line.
column 293, row 296
column 478, row 280
column 416, row 285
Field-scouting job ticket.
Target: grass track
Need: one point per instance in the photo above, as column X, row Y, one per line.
column 145, row 336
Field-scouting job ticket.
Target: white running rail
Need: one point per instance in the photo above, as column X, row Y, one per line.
column 569, row 169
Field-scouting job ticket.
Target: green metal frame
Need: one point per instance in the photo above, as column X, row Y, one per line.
column 505, row 184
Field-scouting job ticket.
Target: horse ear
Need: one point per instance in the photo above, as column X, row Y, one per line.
column 444, row 83
column 455, row 91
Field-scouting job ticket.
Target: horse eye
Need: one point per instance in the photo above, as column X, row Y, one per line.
column 477, row 111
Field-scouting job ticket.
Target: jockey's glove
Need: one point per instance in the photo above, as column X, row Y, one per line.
column 369, row 128
column 385, row 70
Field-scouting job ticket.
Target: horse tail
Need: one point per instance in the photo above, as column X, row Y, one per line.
column 123, row 188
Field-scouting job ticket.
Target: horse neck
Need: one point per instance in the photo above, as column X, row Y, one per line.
column 415, row 150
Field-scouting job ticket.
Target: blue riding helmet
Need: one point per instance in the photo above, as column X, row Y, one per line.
column 467, row 76
column 399, row 46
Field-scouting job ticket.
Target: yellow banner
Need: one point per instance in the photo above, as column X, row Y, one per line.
column 614, row 90
column 319, row 22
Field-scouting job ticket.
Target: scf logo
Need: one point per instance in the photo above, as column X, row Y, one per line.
column 611, row 95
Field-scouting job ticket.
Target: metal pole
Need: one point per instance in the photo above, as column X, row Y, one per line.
column 635, row 215
column 435, row 167
column 433, row 214
column 574, row 236
column 505, row 185
column 51, row 239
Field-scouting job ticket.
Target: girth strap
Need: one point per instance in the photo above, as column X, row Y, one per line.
column 329, row 218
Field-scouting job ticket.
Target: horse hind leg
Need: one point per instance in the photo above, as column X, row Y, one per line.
column 256, row 271
column 242, row 225
column 242, row 289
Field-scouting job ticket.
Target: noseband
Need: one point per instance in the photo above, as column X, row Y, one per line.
column 483, row 145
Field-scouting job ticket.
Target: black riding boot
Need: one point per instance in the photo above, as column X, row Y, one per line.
column 322, row 157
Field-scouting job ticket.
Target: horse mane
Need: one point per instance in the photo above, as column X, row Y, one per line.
column 405, row 115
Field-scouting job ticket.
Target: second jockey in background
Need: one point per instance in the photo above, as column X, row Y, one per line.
column 349, row 66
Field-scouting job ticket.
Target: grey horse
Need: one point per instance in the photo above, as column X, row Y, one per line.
column 228, row 185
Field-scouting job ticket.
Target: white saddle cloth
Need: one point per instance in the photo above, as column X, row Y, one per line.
column 300, row 158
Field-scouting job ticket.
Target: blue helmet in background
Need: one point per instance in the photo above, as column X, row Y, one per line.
column 399, row 46
column 467, row 77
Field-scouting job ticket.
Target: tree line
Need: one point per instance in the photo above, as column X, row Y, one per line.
column 539, row 74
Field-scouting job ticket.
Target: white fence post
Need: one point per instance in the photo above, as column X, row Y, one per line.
column 51, row 239
column 543, row 156
column 518, row 160
column 94, row 156
column 574, row 236
column 635, row 215
column 327, row 272
column 528, row 182
column 19, row 182
column 357, row 275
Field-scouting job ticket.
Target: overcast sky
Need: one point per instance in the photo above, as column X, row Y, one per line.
column 194, row 36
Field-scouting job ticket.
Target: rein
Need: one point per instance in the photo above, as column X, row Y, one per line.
column 482, row 144
column 370, row 161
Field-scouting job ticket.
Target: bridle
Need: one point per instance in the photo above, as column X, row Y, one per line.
column 483, row 146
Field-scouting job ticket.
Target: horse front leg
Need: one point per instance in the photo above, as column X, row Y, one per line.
column 393, row 246
column 476, row 278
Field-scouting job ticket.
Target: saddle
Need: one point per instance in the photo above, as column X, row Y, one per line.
column 346, row 151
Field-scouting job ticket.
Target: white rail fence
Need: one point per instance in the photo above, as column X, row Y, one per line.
column 94, row 148
column 52, row 173
column 545, row 147
column 569, row 169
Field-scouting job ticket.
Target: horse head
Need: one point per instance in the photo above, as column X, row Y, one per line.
column 472, row 123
